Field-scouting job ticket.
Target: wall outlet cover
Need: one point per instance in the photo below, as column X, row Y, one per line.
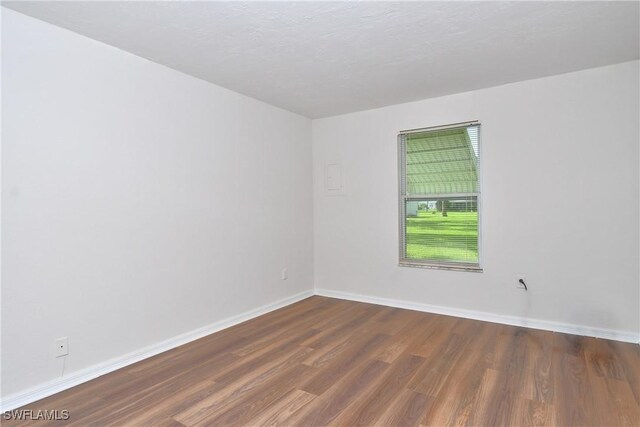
column 61, row 347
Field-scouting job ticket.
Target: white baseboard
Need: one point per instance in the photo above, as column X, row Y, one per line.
column 60, row 384
column 567, row 328
column 73, row 379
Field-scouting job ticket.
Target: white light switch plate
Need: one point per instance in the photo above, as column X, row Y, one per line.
column 334, row 179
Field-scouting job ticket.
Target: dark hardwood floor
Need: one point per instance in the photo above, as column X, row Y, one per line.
column 325, row 361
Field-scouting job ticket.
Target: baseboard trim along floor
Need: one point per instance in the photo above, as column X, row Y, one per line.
column 75, row 378
column 329, row 361
column 545, row 325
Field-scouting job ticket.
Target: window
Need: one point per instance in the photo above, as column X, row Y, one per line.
column 440, row 197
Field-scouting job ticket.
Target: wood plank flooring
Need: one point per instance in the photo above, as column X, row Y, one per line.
column 325, row 361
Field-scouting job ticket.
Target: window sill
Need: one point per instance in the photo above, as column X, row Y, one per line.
column 452, row 267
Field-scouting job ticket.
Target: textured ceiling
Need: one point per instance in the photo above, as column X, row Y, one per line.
column 325, row 58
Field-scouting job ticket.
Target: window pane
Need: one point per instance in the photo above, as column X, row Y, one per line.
column 443, row 230
column 442, row 162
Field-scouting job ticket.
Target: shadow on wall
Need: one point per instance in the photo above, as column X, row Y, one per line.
column 595, row 316
column 587, row 316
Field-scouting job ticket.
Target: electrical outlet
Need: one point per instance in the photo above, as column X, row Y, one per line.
column 284, row 274
column 61, row 347
column 518, row 278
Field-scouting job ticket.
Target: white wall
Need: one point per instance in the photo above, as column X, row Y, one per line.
column 138, row 202
column 568, row 142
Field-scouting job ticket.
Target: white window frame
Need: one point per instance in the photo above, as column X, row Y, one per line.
column 403, row 198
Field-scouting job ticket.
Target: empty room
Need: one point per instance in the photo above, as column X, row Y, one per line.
column 314, row 213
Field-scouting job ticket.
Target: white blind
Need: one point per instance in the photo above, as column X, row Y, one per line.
column 440, row 191
column 442, row 161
